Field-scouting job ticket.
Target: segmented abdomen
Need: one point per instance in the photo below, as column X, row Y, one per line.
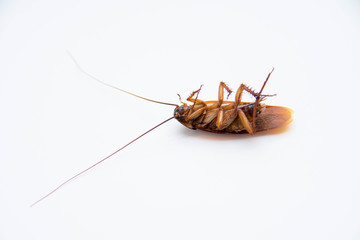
column 270, row 117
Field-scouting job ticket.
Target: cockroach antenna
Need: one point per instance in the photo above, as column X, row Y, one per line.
column 106, row 84
column 87, row 169
column 92, row 166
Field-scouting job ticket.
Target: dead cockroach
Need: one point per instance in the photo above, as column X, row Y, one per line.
column 219, row 116
column 232, row 117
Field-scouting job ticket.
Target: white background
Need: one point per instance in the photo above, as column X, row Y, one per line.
column 175, row 183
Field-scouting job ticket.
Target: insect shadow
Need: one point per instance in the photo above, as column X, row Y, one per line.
column 231, row 137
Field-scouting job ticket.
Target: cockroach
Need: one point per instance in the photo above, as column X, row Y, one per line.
column 219, row 116
column 234, row 117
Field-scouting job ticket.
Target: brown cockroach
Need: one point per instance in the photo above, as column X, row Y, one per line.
column 219, row 116
column 232, row 116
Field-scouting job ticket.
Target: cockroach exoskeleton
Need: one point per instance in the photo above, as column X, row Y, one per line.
column 235, row 117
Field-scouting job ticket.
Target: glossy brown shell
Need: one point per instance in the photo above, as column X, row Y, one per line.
column 271, row 117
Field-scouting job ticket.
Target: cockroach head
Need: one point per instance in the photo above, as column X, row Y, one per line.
column 181, row 111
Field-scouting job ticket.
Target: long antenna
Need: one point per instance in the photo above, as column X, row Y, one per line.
column 95, row 78
column 87, row 169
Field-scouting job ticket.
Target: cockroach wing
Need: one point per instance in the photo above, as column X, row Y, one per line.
column 273, row 117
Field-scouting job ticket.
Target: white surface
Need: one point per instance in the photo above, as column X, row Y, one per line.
column 176, row 183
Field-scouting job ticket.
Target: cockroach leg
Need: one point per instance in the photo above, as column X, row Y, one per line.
column 221, row 122
column 245, row 121
column 258, row 99
column 227, row 118
column 223, row 86
column 240, row 91
column 243, row 118
column 196, row 100
column 181, row 101
column 194, row 114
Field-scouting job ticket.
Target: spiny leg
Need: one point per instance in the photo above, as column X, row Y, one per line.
column 221, row 122
column 240, row 91
column 194, row 114
column 196, row 100
column 258, row 99
column 244, row 120
column 223, row 86
column 243, row 88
